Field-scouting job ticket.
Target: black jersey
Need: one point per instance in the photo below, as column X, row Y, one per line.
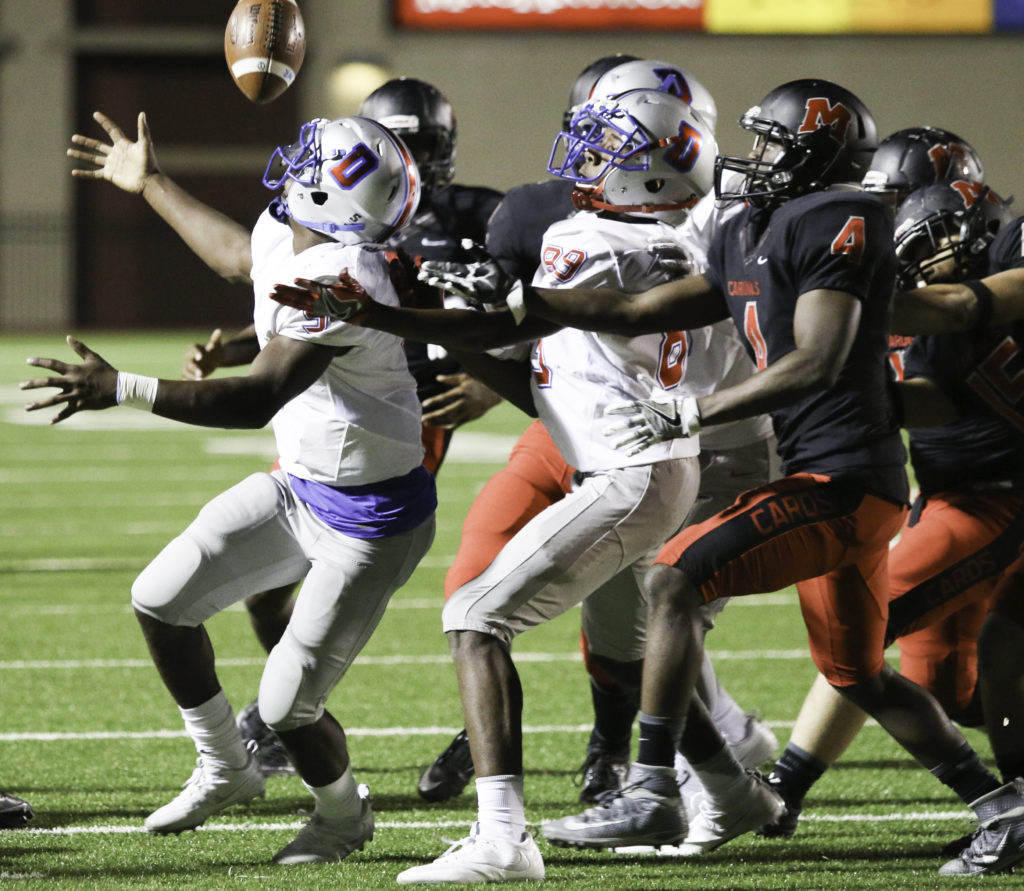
column 443, row 219
column 762, row 262
column 516, row 231
column 982, row 373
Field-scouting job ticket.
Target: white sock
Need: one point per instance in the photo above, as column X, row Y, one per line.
column 720, row 773
column 212, row 727
column 500, row 809
column 339, row 800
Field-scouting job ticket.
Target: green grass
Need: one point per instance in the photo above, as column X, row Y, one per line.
column 87, row 503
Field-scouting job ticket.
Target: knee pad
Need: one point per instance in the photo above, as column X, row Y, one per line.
column 288, row 698
column 158, row 590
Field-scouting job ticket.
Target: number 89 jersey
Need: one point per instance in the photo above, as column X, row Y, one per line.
column 578, row 374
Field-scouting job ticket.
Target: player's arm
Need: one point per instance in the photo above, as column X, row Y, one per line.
column 824, row 327
column 220, row 242
column 684, row 303
column 202, row 359
column 282, row 370
column 464, row 399
column 947, row 308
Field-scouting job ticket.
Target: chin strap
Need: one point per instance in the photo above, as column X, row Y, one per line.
column 590, row 199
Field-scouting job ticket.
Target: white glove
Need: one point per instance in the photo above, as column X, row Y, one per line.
column 653, row 420
column 484, row 282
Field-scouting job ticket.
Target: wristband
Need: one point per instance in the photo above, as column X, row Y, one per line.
column 983, row 316
column 136, row 390
column 690, row 415
column 516, row 302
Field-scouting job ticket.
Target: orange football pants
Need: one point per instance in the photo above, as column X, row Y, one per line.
column 828, row 537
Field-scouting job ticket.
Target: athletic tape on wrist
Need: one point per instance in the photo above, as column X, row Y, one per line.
column 136, row 390
column 691, row 412
column 516, row 302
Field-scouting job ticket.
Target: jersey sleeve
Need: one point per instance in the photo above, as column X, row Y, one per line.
column 842, row 245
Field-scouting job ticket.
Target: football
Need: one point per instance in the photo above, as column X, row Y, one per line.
column 264, row 44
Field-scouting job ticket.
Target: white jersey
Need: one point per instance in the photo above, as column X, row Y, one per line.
column 358, row 423
column 578, row 374
column 728, row 362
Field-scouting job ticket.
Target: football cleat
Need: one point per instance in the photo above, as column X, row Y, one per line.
column 784, row 825
column 14, row 812
column 646, row 811
column 271, row 755
column 450, row 773
column 749, row 805
column 758, row 744
column 477, row 859
column 998, row 842
column 601, row 772
column 205, row 793
column 328, row 841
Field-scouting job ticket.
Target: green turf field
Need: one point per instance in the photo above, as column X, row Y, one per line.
column 89, row 736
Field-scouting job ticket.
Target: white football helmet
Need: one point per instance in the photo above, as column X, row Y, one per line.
column 352, row 179
column 645, row 152
column 649, row 74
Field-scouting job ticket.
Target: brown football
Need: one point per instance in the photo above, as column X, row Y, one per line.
column 264, row 44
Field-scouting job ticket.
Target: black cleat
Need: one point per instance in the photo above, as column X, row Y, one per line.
column 784, row 826
column 14, row 812
column 271, row 755
column 450, row 773
column 601, row 772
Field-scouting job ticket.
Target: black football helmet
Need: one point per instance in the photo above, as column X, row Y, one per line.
column 919, row 156
column 421, row 115
column 811, row 134
column 583, row 86
column 943, row 232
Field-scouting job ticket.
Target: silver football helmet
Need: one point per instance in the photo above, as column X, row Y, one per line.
column 649, row 74
column 352, row 179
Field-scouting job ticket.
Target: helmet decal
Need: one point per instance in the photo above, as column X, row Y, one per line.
column 360, row 162
column 822, row 113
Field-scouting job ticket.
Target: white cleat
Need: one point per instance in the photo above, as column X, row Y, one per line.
column 324, row 841
column 207, row 792
column 758, row 745
column 477, row 859
column 752, row 804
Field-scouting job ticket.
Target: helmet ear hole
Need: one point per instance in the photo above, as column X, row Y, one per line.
column 654, row 185
column 318, row 198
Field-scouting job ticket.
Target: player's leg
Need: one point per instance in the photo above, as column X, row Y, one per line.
column 536, row 476
column 337, row 609
column 237, row 543
column 606, row 524
column 941, row 537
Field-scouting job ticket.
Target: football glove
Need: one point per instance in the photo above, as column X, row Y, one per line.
column 652, row 420
column 480, row 283
column 339, row 297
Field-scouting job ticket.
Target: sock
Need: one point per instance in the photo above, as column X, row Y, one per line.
column 212, row 727
column 659, row 739
column 337, row 801
column 614, row 713
column 500, row 809
column 726, row 714
column 966, row 775
column 720, row 772
column 796, row 771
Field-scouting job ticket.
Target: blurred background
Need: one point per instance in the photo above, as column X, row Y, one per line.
column 79, row 255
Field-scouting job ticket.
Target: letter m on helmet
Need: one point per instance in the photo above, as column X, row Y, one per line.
column 820, row 113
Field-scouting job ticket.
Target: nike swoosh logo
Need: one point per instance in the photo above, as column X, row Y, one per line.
column 672, row 419
column 761, row 261
column 433, row 242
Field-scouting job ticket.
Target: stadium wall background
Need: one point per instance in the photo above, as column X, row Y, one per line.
column 83, row 255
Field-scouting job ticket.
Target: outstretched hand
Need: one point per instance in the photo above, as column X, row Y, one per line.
column 122, row 162
column 484, row 282
column 89, row 386
column 338, row 297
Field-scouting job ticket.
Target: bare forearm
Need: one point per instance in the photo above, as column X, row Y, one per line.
column 673, row 306
column 457, row 329
column 229, row 403
column 220, row 242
